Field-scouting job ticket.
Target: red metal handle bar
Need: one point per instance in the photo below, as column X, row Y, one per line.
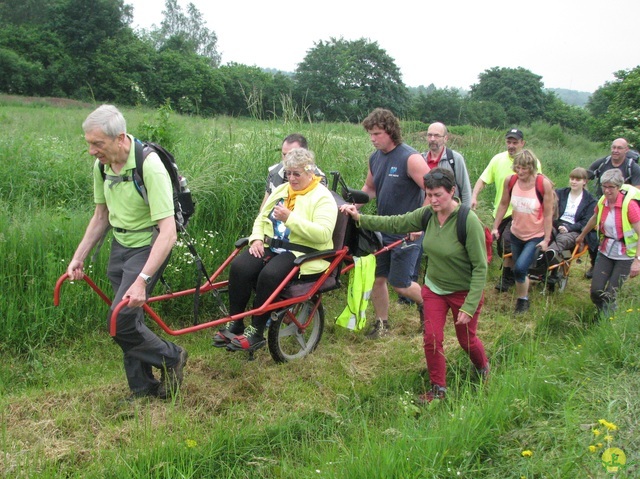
column 64, row 277
column 388, row 247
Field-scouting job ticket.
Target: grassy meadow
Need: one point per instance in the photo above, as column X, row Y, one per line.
column 563, row 389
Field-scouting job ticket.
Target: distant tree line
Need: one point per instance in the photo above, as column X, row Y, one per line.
column 89, row 51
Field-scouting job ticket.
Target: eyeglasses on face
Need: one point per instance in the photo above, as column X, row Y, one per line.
column 610, row 187
column 434, row 135
column 295, row 174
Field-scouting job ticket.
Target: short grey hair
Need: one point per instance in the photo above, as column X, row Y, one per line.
column 300, row 158
column 613, row 177
column 106, row 118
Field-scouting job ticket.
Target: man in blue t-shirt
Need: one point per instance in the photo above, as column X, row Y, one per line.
column 396, row 179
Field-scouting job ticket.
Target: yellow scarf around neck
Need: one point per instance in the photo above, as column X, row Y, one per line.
column 290, row 202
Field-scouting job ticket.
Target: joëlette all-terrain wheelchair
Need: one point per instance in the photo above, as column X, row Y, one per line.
column 554, row 274
column 297, row 314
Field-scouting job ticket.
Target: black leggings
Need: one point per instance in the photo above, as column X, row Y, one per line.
column 263, row 275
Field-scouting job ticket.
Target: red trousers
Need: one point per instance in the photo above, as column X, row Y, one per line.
column 436, row 308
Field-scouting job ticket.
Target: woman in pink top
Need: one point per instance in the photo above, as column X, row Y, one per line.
column 532, row 220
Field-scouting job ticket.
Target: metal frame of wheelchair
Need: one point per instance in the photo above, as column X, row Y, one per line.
column 297, row 314
column 556, row 276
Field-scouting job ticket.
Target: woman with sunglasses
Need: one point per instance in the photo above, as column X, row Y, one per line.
column 455, row 274
column 298, row 215
column 617, row 220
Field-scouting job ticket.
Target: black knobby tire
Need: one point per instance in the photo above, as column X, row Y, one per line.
column 286, row 341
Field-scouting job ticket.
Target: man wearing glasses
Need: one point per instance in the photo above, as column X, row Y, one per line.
column 441, row 156
column 621, row 157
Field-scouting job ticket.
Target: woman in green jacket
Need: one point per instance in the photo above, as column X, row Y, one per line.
column 455, row 274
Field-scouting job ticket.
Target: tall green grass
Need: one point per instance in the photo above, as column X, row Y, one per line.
column 348, row 410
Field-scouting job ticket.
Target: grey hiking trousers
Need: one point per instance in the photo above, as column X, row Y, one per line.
column 142, row 348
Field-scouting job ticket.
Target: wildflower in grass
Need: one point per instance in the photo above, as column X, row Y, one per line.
column 630, row 310
column 608, row 438
column 527, row 453
column 596, row 432
column 190, row 443
column 593, row 448
column 609, row 425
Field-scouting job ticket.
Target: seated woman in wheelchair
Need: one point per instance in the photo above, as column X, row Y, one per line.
column 575, row 207
column 300, row 215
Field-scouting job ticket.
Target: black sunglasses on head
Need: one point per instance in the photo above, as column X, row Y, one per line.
column 436, row 175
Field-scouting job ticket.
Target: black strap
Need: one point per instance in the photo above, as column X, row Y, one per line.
column 278, row 243
column 143, row 230
column 461, row 222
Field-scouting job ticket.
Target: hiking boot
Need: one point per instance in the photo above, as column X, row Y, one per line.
column 436, row 392
column 172, row 377
column 379, row 329
column 506, row 281
column 522, row 306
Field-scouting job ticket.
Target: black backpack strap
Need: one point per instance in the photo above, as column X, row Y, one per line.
column 461, row 224
column 425, row 218
column 597, row 172
column 138, row 178
column 452, row 160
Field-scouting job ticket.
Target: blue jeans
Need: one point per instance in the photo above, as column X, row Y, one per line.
column 523, row 255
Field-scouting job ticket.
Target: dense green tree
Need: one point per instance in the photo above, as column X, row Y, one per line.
column 188, row 82
column 33, row 61
column 519, row 91
column 599, row 102
column 25, row 12
column 344, row 80
column 82, row 27
column 186, row 32
column 489, row 114
column 124, row 70
column 445, row 105
column 622, row 115
column 570, row 117
column 252, row 91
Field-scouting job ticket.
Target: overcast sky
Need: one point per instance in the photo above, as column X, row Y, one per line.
column 573, row 44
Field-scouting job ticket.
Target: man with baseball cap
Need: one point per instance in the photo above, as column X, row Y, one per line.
column 498, row 169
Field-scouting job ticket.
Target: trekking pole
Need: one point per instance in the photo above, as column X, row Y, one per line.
column 200, row 271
